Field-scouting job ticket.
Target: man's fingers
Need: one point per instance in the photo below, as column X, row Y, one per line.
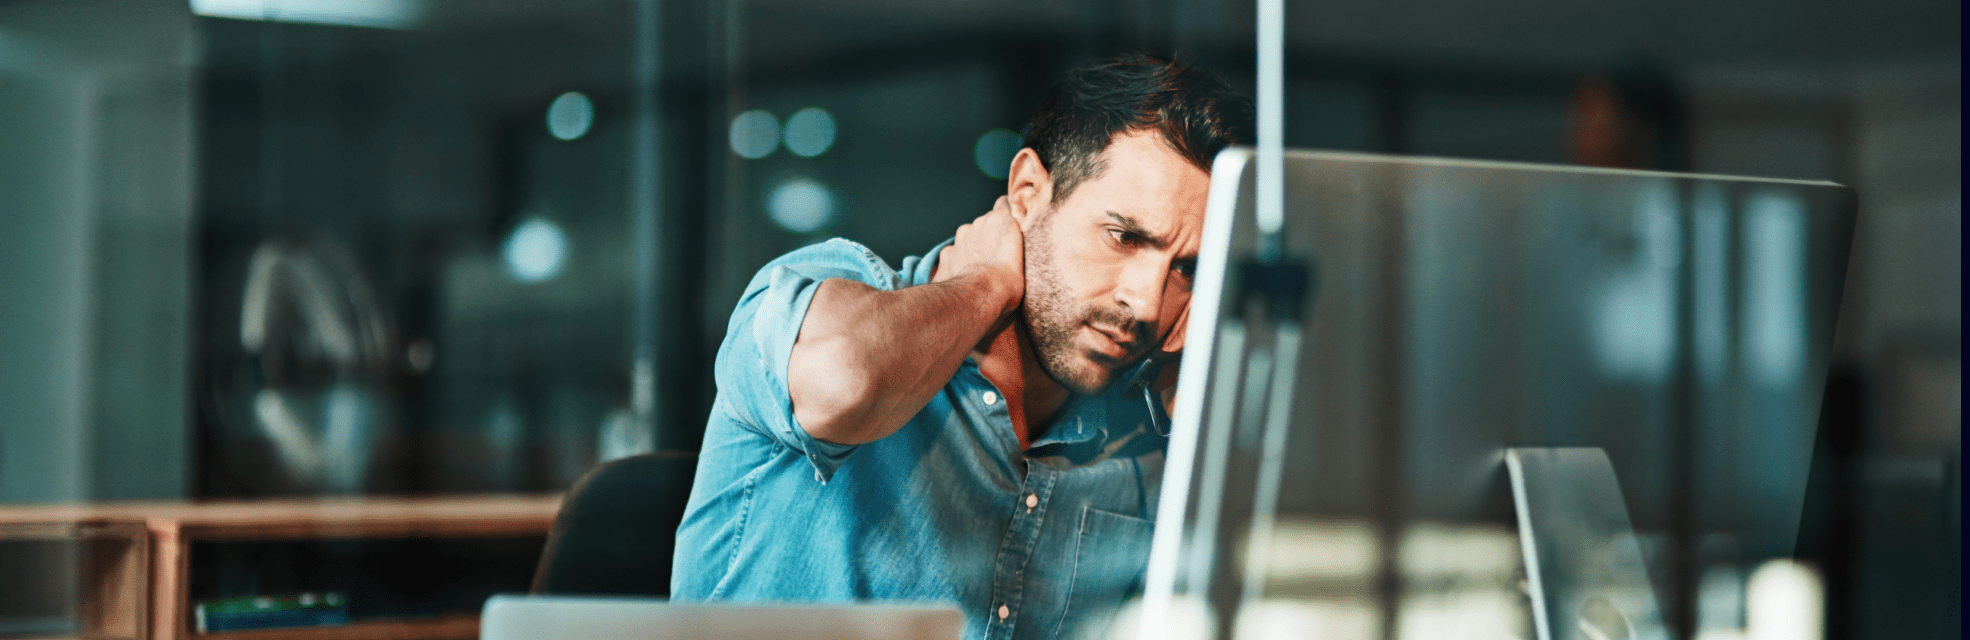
column 991, row 244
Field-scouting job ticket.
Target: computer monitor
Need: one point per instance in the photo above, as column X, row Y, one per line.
column 1347, row 402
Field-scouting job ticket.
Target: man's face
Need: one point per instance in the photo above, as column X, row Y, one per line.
column 1108, row 271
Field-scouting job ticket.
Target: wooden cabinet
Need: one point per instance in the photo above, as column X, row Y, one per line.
column 133, row 559
column 109, row 563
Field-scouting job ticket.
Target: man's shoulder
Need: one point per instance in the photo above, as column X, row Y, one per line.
column 835, row 252
column 832, row 258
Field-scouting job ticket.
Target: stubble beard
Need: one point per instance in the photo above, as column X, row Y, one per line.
column 1052, row 319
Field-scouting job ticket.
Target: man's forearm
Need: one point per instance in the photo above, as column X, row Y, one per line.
column 866, row 359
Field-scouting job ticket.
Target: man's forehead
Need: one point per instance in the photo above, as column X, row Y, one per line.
column 1143, row 153
column 1144, row 149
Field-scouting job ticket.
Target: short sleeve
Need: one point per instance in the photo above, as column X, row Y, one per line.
column 751, row 369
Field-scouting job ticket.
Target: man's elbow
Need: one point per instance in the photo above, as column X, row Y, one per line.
column 832, row 399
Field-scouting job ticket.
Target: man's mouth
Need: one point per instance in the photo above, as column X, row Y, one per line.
column 1114, row 344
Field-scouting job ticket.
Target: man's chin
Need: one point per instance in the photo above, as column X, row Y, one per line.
column 1085, row 376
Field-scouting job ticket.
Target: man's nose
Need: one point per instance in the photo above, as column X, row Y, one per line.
column 1141, row 290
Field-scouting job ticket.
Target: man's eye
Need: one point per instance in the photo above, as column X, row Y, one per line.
column 1123, row 237
column 1185, row 268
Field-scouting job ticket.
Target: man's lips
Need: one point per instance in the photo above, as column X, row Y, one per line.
column 1120, row 344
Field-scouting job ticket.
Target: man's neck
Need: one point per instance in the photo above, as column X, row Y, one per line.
column 1008, row 360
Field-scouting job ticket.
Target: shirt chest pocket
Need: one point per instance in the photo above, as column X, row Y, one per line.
column 1110, row 556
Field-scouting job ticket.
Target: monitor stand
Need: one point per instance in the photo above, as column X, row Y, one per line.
column 1583, row 563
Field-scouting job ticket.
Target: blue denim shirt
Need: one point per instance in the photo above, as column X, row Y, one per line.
column 1042, row 543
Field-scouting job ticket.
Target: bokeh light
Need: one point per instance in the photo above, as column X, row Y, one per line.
column 570, row 115
column 994, row 152
column 810, row 132
column 801, row 205
column 536, row 251
column 754, row 134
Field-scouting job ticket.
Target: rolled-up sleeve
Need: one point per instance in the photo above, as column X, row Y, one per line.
column 751, row 369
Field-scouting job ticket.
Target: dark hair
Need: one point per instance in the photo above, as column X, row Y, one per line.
column 1197, row 113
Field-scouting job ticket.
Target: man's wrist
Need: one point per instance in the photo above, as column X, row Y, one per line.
column 1003, row 290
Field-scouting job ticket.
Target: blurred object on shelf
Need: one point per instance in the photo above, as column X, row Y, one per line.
column 271, row 612
column 304, row 402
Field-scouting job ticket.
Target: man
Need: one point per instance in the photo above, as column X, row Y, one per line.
column 981, row 428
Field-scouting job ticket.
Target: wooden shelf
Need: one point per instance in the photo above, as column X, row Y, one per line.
column 445, row 628
column 297, row 519
column 123, row 577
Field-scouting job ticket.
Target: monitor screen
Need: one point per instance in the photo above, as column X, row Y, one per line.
column 1346, row 402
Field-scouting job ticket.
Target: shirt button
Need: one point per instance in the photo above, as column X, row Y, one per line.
column 991, row 398
column 1003, row 612
column 1032, row 501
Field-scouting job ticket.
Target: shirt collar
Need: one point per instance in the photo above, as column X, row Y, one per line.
column 1084, row 418
column 917, row 270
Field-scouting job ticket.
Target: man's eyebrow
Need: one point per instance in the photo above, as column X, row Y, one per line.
column 1134, row 228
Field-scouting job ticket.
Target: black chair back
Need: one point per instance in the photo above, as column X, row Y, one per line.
column 617, row 528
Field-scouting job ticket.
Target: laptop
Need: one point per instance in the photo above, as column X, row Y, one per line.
column 514, row 617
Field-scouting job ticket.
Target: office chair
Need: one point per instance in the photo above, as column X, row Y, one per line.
column 617, row 528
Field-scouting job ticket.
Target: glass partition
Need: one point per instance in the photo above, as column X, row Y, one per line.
column 418, row 263
column 375, row 262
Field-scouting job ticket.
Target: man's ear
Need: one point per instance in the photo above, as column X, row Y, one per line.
column 1029, row 188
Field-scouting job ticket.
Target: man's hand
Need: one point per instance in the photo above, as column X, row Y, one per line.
column 993, row 250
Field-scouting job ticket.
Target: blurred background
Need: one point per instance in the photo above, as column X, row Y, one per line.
column 281, row 248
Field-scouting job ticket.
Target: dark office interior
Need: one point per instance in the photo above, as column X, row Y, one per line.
column 472, row 249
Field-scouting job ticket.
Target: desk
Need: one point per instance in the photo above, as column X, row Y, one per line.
column 134, row 556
